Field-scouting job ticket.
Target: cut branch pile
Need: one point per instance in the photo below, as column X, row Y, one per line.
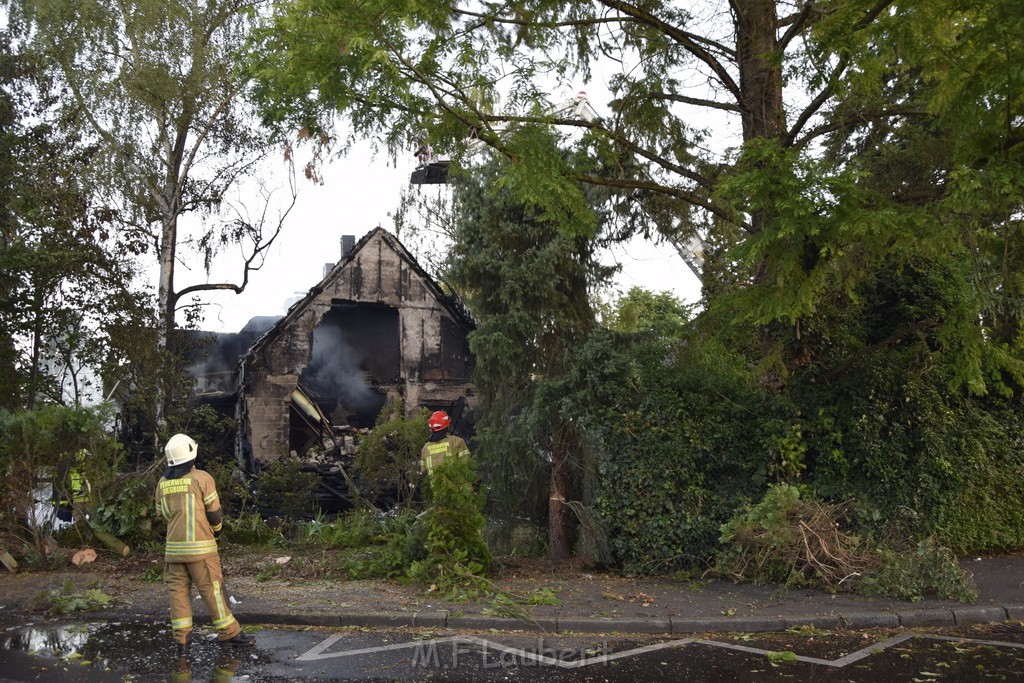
column 797, row 542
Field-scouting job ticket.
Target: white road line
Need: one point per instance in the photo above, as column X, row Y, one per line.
column 319, row 651
column 973, row 641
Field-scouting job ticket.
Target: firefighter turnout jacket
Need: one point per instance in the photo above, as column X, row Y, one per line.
column 436, row 452
column 192, row 510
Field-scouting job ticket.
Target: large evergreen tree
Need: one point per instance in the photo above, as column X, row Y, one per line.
column 528, row 281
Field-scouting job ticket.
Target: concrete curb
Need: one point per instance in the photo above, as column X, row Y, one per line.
column 941, row 618
column 919, row 618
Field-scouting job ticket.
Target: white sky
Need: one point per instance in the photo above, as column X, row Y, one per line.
column 358, row 194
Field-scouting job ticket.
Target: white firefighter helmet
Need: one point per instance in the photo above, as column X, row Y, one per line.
column 180, row 449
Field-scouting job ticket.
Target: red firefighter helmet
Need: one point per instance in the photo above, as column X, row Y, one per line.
column 438, row 421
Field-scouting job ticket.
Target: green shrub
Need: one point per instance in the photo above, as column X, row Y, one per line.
column 786, row 538
column 917, row 459
column 43, row 446
column 456, row 553
column 889, row 423
column 928, row 570
column 691, row 438
column 235, row 497
column 393, row 550
column 249, row 529
column 389, row 456
column 520, row 539
column 127, row 511
column 357, row 528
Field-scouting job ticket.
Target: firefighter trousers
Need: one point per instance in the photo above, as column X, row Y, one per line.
column 206, row 575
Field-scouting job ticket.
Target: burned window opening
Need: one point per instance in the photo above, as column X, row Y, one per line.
column 354, row 361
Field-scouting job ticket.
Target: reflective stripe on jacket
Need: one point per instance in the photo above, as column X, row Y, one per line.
column 192, row 510
column 435, row 452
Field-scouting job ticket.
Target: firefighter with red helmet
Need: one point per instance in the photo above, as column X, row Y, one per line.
column 441, row 445
column 187, row 499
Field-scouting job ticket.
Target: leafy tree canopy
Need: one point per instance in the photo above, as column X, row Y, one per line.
column 65, row 276
column 855, row 117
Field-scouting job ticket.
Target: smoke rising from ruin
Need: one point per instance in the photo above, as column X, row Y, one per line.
column 334, row 371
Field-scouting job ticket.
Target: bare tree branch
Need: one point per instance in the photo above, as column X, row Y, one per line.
column 683, row 38
column 255, row 259
column 700, row 102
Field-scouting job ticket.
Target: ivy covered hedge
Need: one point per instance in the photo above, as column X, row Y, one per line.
column 870, row 414
column 919, row 459
column 692, row 445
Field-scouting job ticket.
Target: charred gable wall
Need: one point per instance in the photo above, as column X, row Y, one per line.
column 377, row 326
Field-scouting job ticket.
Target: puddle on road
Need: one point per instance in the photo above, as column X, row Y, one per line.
column 145, row 651
column 141, row 649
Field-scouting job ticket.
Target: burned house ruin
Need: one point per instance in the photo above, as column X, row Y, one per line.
column 376, row 327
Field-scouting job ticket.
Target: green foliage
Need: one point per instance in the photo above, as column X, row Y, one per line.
column 394, row 550
column 689, row 438
column 357, row 529
column 526, row 279
column 874, row 414
column 67, row 600
column 455, row 548
column 234, row 494
column 762, row 543
column 921, row 460
column 661, row 314
column 783, row 657
column 543, row 596
column 862, row 325
column 515, row 538
column 373, row 545
column 65, row 273
column 390, row 454
column 163, row 74
column 43, row 446
column 927, row 570
column 249, row 529
column 286, row 489
column 889, row 423
column 126, row 510
column 215, row 434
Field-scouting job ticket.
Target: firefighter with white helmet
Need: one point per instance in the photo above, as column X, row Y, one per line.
column 187, row 499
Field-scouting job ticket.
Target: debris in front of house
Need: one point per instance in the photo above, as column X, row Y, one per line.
column 111, row 541
column 332, row 458
column 283, row 560
column 83, row 556
column 8, row 561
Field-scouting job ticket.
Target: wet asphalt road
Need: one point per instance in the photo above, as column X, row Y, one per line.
column 144, row 652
